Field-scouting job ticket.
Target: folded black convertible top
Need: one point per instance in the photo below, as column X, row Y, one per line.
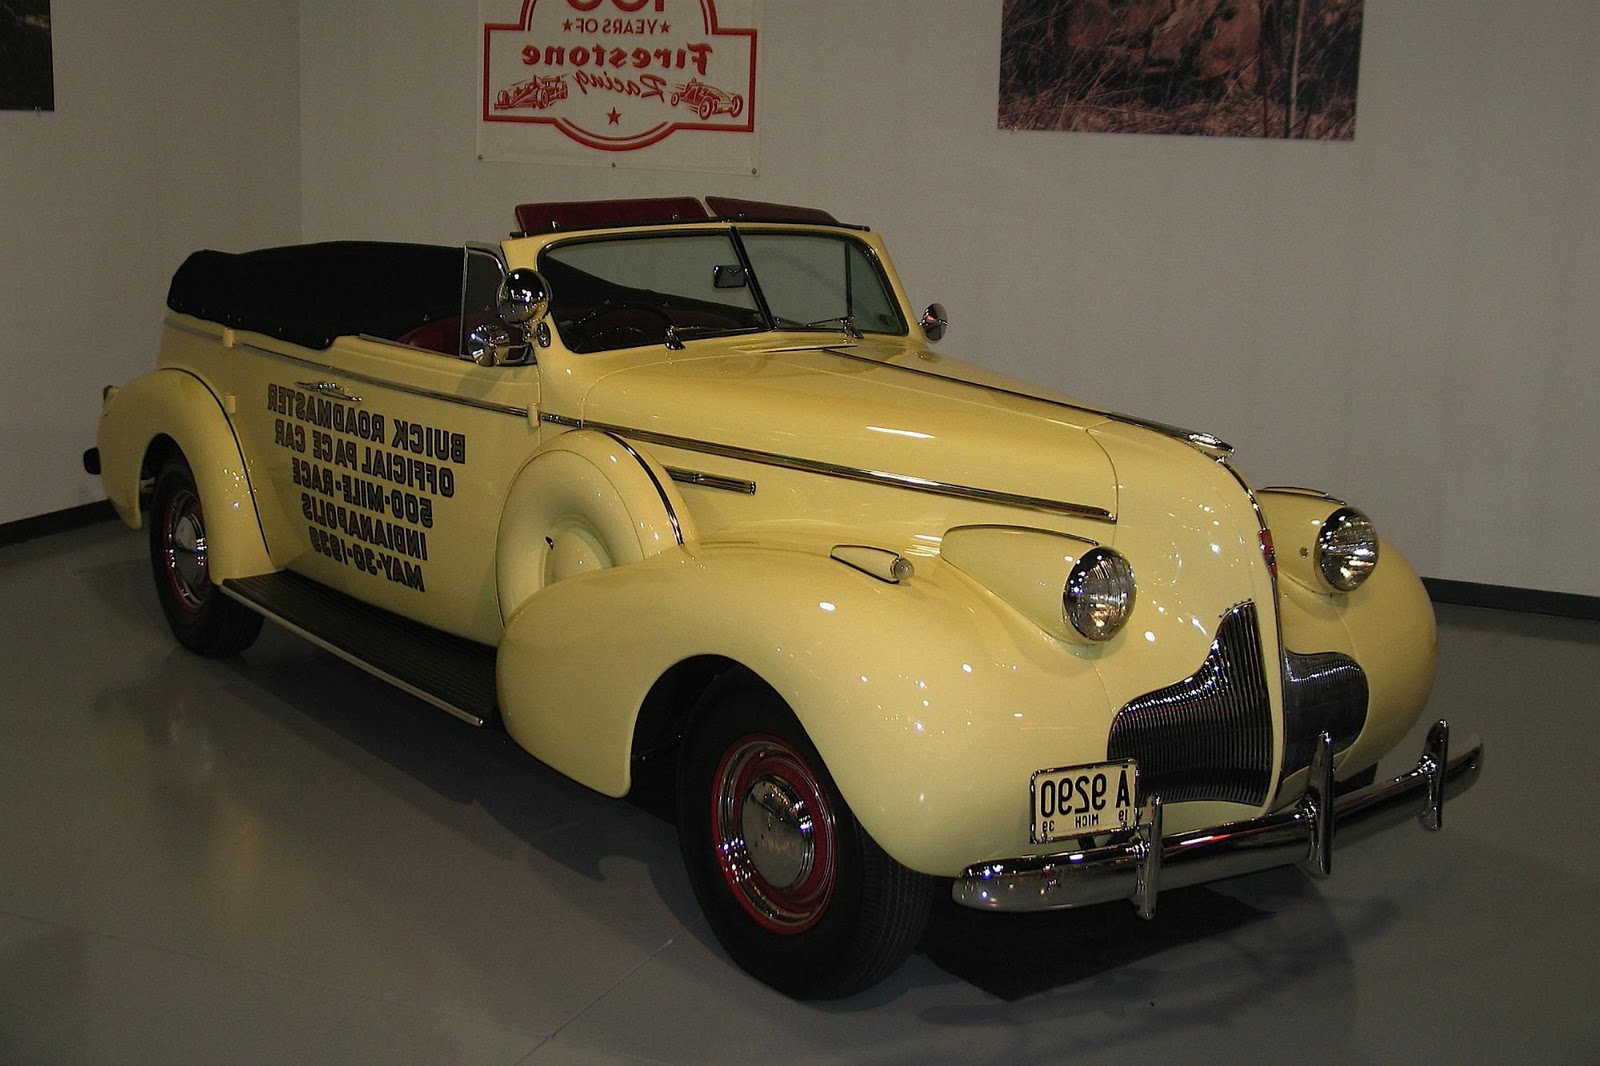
column 308, row 294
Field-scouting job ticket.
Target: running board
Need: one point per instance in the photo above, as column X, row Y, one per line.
column 452, row 673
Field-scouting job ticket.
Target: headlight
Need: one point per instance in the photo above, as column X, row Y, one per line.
column 1347, row 549
column 1099, row 594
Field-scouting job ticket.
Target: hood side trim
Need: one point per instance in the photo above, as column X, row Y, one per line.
column 849, row 473
column 1196, row 438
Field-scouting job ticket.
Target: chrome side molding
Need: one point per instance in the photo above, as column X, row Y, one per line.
column 827, row 469
column 1137, row 864
column 711, row 481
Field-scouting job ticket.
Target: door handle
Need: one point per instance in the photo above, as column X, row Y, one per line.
column 329, row 388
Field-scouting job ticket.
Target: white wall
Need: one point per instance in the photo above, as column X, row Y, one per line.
column 176, row 126
column 1408, row 320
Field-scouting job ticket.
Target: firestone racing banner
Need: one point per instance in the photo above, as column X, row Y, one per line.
column 669, row 84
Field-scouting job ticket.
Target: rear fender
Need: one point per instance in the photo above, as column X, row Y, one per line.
column 929, row 700
column 176, row 405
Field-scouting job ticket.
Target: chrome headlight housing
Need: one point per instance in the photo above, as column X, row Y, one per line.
column 1346, row 551
column 1099, row 595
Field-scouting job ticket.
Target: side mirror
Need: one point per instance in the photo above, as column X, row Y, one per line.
column 523, row 297
column 933, row 321
column 494, row 344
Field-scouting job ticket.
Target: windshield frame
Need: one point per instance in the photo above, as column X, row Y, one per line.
column 766, row 320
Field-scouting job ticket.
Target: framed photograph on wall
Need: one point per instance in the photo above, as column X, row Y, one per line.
column 1221, row 68
column 27, row 70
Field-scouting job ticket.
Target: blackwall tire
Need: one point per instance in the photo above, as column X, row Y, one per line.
column 201, row 617
column 796, row 891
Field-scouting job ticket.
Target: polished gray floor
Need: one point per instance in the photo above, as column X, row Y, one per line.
column 274, row 859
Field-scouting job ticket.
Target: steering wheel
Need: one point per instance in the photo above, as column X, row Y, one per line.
column 591, row 332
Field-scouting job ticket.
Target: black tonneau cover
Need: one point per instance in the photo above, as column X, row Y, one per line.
column 308, row 294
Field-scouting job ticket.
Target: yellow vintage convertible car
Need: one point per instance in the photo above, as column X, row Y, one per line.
column 672, row 479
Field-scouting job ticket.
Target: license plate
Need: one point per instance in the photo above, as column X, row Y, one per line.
column 1074, row 801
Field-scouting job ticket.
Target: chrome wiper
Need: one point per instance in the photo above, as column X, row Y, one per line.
column 677, row 333
column 846, row 324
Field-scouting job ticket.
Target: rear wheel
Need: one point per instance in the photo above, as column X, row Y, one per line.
column 201, row 617
column 794, row 888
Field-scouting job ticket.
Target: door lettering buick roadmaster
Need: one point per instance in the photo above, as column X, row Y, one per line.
column 671, row 479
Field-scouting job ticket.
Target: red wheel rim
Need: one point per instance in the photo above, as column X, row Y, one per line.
column 774, row 833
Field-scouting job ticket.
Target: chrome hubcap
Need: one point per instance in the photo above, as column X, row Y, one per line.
column 777, row 833
column 774, row 833
column 185, row 550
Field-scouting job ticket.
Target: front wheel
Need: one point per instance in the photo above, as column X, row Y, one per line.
column 202, row 618
column 794, row 888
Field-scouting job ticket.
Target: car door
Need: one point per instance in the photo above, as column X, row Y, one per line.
column 385, row 460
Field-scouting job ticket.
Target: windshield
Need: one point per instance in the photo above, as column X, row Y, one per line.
column 628, row 291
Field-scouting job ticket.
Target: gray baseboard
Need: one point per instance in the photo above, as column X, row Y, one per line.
column 55, row 522
column 1504, row 598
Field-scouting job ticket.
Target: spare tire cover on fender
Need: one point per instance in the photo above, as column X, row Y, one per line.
column 586, row 501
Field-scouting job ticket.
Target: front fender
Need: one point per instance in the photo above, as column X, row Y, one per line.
column 177, row 405
column 930, row 701
column 1387, row 625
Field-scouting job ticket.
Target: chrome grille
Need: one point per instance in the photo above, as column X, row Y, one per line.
column 1326, row 691
column 1209, row 736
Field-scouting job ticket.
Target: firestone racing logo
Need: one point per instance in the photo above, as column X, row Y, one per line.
column 619, row 75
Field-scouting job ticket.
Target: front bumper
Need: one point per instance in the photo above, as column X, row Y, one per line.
column 1137, row 864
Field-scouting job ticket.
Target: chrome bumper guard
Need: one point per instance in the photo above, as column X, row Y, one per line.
column 1137, row 864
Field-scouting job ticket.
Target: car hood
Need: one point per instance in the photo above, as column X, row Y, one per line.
column 875, row 409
